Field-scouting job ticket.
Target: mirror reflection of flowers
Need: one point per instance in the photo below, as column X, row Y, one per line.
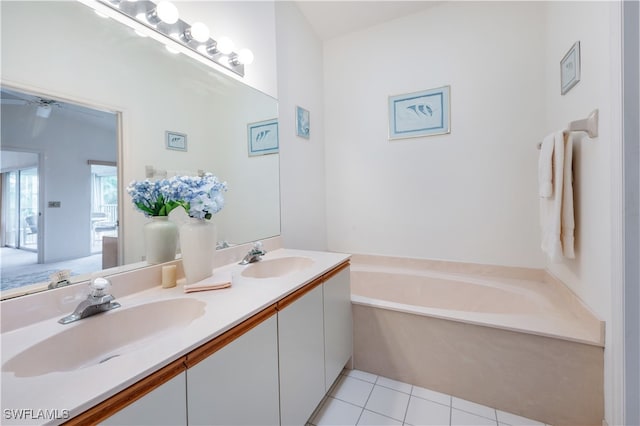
column 200, row 196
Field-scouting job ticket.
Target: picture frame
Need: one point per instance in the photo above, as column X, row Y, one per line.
column 263, row 137
column 570, row 69
column 303, row 126
column 417, row 114
column 176, row 141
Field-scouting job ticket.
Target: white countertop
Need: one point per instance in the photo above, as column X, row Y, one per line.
column 80, row 389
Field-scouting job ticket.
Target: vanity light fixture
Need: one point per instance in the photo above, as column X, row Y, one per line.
column 163, row 18
column 225, row 45
column 198, row 32
column 245, row 56
column 165, row 11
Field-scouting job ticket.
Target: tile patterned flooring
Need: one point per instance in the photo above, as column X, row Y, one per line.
column 361, row 398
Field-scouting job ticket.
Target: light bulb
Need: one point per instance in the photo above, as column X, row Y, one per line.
column 199, row 32
column 167, row 12
column 225, row 45
column 171, row 49
column 43, row 111
column 245, row 56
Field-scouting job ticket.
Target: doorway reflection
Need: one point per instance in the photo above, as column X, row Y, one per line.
column 59, row 188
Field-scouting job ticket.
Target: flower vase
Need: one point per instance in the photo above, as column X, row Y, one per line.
column 198, row 246
column 160, row 240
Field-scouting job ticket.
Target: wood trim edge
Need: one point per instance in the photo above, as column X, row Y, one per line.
column 335, row 271
column 212, row 346
column 290, row 298
column 122, row 399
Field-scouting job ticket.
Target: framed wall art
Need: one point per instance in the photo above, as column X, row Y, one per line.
column 263, row 137
column 303, row 127
column 176, row 141
column 416, row 114
column 570, row 68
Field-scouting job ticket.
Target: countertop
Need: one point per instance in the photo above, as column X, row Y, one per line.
column 80, row 389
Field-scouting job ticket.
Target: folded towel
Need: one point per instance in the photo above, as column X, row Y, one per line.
column 551, row 208
column 568, row 223
column 215, row 282
column 545, row 166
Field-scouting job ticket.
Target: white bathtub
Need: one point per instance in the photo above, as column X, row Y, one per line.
column 511, row 338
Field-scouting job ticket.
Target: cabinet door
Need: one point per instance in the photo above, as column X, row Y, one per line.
column 165, row 405
column 237, row 385
column 301, row 345
column 338, row 325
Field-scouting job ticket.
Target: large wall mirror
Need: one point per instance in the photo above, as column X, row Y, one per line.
column 86, row 106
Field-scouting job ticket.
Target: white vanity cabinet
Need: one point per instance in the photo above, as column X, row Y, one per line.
column 301, row 349
column 164, row 405
column 338, row 324
column 272, row 368
column 237, row 384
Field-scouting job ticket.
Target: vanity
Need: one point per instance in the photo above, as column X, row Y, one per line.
column 264, row 351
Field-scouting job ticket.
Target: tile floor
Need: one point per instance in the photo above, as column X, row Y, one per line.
column 360, row 398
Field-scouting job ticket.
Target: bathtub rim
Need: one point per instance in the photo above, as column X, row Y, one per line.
column 475, row 273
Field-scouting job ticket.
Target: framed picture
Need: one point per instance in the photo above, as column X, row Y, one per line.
column 570, row 68
column 302, row 122
column 177, row 141
column 424, row 113
column 263, row 137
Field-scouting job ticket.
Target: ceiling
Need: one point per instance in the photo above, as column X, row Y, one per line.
column 330, row 19
column 10, row 98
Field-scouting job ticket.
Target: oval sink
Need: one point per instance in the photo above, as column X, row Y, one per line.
column 277, row 267
column 102, row 337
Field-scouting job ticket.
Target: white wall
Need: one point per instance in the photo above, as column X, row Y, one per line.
column 302, row 186
column 249, row 24
column 468, row 196
column 590, row 274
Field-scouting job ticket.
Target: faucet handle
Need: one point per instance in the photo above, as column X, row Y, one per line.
column 99, row 287
column 257, row 246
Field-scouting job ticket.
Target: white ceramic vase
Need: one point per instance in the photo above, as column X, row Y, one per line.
column 198, row 247
column 160, row 240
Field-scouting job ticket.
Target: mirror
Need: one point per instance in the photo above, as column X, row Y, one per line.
column 87, row 60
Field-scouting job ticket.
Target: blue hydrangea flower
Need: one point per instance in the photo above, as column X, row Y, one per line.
column 200, row 196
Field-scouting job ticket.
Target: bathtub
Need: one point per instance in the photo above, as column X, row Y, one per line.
column 511, row 338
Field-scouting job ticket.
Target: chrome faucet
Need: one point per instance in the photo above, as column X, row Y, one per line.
column 254, row 254
column 97, row 301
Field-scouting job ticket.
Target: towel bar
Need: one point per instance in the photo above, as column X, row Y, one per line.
column 588, row 125
column 153, row 173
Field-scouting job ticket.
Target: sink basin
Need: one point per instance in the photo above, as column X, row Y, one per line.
column 97, row 339
column 277, row 267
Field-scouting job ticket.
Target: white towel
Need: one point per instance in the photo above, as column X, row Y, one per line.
column 545, row 166
column 568, row 223
column 551, row 208
column 217, row 281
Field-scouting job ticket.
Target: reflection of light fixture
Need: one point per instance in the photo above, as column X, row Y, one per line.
column 163, row 18
column 171, row 49
column 43, row 110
